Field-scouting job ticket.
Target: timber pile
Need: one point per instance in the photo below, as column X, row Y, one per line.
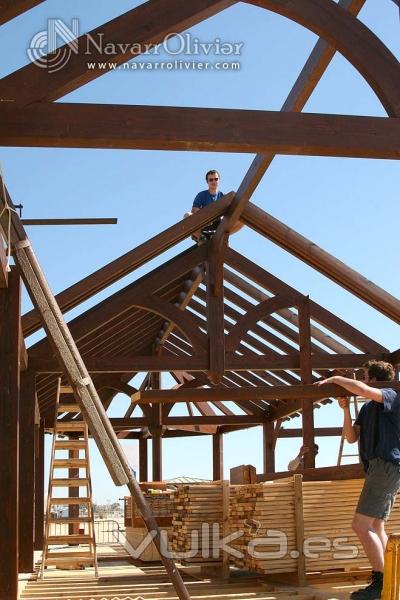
column 328, row 508
column 255, row 509
column 196, row 508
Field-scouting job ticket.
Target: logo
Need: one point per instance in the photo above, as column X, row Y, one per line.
column 44, row 50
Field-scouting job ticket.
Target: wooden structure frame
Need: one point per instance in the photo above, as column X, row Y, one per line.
column 209, row 316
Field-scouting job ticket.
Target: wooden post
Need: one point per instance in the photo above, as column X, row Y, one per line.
column 10, row 344
column 156, row 433
column 299, row 521
column 39, row 486
column 143, row 460
column 269, row 447
column 225, row 526
column 27, row 471
column 306, row 377
column 218, row 456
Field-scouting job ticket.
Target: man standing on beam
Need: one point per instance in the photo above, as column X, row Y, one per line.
column 378, row 429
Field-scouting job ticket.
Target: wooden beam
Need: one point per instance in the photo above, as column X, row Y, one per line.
column 320, row 474
column 318, row 313
column 168, row 362
column 215, row 318
column 143, row 460
column 39, row 486
column 307, row 81
column 395, row 357
column 27, row 472
column 131, row 33
column 278, row 392
column 9, row 9
column 113, row 271
column 102, row 221
column 307, row 413
column 314, row 256
column 64, row 125
column 3, row 266
column 125, row 423
column 218, row 456
column 268, row 447
column 318, row 432
column 10, row 343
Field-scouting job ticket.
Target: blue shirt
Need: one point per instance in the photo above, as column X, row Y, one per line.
column 380, row 428
column 204, row 198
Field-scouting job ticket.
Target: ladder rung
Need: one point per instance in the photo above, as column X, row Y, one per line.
column 70, row 463
column 70, row 425
column 66, row 389
column 66, row 555
column 64, row 501
column 70, row 444
column 70, row 539
column 74, row 482
column 349, row 455
column 71, row 408
column 70, row 520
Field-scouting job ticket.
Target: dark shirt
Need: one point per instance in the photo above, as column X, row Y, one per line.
column 379, row 424
column 204, row 198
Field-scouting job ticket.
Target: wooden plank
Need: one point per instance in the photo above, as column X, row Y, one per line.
column 299, row 520
column 279, row 392
column 129, row 262
column 10, row 343
column 355, row 471
column 27, row 472
column 64, row 125
column 306, row 375
column 314, row 256
column 9, row 9
column 131, row 33
column 318, row 431
column 225, row 526
column 218, row 456
column 102, row 221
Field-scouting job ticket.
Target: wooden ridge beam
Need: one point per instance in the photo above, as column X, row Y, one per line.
column 147, row 24
column 73, row 125
column 129, row 262
column 168, row 362
column 322, row 261
column 278, row 392
column 9, row 9
column 355, row 471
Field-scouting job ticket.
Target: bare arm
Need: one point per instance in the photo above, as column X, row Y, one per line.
column 351, row 432
column 358, row 388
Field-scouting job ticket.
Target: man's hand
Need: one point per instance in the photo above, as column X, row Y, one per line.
column 343, row 402
column 325, row 381
column 303, row 450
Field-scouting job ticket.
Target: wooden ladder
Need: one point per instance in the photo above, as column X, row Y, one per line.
column 354, row 403
column 71, row 437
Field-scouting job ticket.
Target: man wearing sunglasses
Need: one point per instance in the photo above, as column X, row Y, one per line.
column 204, row 198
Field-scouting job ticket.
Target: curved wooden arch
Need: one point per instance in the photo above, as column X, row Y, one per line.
column 181, row 319
column 362, row 48
column 254, row 315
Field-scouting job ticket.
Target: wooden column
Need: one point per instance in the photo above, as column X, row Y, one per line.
column 39, row 486
column 10, row 344
column 27, row 471
column 143, row 460
column 218, row 456
column 156, row 433
column 306, row 377
column 269, row 447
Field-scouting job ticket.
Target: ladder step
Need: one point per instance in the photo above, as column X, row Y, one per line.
column 64, row 555
column 71, row 426
column 81, row 482
column 70, row 463
column 71, row 408
column 70, row 444
column 66, row 501
column 70, row 539
column 70, row 520
column 66, row 389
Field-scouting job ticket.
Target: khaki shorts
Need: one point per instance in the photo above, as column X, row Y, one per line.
column 382, row 482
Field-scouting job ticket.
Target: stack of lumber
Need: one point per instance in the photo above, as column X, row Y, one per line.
column 256, row 510
column 196, row 509
column 328, row 508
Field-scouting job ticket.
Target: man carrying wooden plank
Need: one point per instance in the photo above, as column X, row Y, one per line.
column 378, row 429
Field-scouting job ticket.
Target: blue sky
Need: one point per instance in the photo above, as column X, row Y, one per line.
column 349, row 207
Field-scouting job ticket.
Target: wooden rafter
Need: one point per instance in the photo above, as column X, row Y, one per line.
column 64, row 125
column 9, row 9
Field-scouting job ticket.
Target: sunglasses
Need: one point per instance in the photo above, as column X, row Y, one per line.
column 213, row 178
